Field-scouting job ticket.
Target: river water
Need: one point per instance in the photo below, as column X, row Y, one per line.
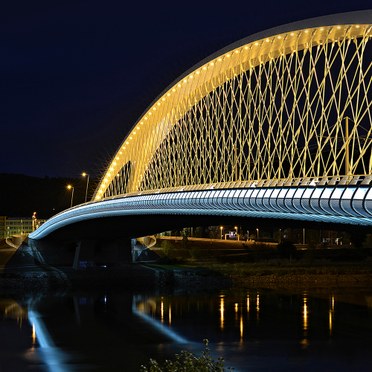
column 253, row 330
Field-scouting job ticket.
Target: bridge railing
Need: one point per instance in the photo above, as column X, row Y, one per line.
column 354, row 180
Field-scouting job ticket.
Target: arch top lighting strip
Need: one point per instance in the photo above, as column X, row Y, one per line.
column 149, row 131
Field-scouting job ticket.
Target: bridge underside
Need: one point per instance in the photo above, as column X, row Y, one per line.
column 127, row 227
column 139, row 215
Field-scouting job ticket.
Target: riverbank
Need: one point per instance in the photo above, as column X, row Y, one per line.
column 262, row 265
column 292, row 275
column 259, row 268
column 193, row 277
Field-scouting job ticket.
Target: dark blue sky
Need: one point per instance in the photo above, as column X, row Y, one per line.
column 75, row 75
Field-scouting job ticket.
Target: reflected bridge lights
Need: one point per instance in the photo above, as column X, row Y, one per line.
column 305, row 321
column 153, row 310
column 33, row 335
column 305, row 314
column 331, row 312
column 240, row 310
column 241, row 320
column 222, row 312
column 163, row 312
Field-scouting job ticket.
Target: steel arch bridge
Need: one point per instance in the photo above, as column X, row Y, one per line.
column 275, row 125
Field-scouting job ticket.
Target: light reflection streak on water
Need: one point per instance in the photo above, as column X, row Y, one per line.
column 222, row 312
column 51, row 356
column 330, row 314
column 305, row 325
column 170, row 315
column 162, row 310
column 304, row 315
column 33, row 335
column 41, row 333
column 240, row 309
column 241, row 328
column 13, row 310
column 139, row 307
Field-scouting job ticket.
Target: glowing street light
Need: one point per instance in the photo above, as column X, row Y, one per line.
column 221, row 228
column 84, row 174
column 70, row 187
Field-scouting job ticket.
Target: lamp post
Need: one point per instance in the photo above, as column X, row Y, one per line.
column 70, row 187
column 84, row 174
column 221, row 228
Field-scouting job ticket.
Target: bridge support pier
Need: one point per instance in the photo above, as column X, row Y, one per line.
column 84, row 255
column 75, row 264
column 90, row 253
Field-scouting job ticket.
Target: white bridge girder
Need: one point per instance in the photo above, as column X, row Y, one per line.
column 350, row 205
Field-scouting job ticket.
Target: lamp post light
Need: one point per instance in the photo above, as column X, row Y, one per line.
column 70, row 187
column 84, row 174
column 221, row 228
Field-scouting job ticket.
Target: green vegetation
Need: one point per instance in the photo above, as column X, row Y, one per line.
column 269, row 265
column 186, row 361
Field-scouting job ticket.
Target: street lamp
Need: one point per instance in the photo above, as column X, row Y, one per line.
column 70, row 187
column 221, row 228
column 84, row 174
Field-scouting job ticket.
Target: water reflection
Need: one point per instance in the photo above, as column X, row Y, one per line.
column 11, row 309
column 251, row 329
column 147, row 309
column 331, row 314
column 222, row 311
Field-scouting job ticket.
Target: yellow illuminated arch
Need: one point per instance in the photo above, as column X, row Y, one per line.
column 258, row 59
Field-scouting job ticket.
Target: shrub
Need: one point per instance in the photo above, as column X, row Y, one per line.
column 186, row 361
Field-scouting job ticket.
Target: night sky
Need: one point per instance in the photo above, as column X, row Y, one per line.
column 76, row 75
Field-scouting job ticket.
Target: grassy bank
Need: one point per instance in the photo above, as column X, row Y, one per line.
column 262, row 266
column 296, row 274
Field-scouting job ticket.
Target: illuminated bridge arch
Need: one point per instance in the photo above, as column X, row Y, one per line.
column 291, row 105
column 276, row 126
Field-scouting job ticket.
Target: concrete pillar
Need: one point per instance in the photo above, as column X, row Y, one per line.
column 84, row 255
column 75, row 264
